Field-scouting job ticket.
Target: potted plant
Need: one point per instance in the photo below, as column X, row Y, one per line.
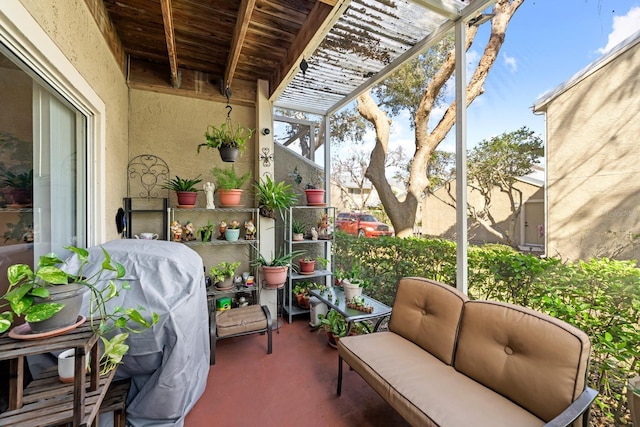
column 185, row 189
column 20, row 187
column 50, row 299
column 222, row 272
column 352, row 281
column 228, row 140
column 312, row 189
column 274, row 271
column 301, row 291
column 298, row 228
column 335, row 325
column 271, row 197
column 232, row 232
column 206, row 231
column 308, row 264
column 229, row 184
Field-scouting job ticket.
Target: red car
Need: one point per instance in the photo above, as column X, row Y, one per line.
column 362, row 225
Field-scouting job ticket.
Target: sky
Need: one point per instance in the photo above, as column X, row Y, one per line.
column 547, row 42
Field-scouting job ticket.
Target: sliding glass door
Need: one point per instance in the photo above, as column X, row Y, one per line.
column 42, row 168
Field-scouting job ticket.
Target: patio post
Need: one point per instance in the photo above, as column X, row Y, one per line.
column 461, row 157
column 264, row 166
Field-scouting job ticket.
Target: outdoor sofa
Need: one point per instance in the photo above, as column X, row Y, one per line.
column 449, row 361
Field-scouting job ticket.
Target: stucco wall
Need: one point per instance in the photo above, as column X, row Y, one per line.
column 72, row 28
column 592, row 164
column 439, row 219
column 171, row 127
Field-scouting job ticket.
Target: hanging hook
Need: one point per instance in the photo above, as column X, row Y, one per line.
column 229, row 108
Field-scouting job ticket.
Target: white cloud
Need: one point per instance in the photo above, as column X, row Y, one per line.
column 510, row 62
column 623, row 27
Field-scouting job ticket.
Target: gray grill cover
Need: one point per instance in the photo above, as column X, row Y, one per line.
column 169, row 363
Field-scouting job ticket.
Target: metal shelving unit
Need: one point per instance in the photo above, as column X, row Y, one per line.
column 197, row 245
column 324, row 246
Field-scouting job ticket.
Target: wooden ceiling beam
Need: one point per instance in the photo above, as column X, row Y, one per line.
column 146, row 75
column 170, row 37
column 108, row 30
column 319, row 22
column 239, row 34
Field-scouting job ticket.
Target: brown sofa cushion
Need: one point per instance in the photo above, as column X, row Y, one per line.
column 425, row 391
column 427, row 313
column 533, row 359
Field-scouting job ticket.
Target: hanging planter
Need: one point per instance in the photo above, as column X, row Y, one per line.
column 228, row 154
column 228, row 140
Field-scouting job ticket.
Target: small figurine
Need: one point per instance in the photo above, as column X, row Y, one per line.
column 314, row 234
column 222, row 227
column 176, row 231
column 249, row 230
column 188, row 232
column 209, row 188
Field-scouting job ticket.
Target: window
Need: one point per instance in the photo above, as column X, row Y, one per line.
column 42, row 167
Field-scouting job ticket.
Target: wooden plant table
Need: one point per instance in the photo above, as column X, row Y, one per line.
column 46, row 400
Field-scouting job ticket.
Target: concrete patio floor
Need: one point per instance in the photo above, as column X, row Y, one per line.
column 293, row 386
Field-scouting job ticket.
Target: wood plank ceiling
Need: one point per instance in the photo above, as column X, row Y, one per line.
column 199, row 47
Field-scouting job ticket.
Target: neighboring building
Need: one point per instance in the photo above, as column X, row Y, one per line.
column 593, row 173
column 439, row 213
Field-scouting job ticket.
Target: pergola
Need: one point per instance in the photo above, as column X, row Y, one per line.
column 313, row 56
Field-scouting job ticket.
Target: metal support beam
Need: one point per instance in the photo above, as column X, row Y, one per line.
column 461, row 157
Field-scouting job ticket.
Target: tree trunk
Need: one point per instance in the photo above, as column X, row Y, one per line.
column 403, row 213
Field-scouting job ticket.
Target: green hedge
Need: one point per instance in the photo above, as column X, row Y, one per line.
column 600, row 297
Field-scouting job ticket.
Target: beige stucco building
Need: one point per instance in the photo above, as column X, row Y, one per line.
column 439, row 214
column 593, row 173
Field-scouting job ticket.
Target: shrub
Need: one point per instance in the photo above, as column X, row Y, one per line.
column 599, row 296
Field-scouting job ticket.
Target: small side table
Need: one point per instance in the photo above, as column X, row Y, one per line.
column 338, row 303
column 47, row 401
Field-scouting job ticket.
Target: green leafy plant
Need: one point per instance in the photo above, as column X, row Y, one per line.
column 206, row 231
column 298, row 227
column 179, row 184
column 25, row 284
column 273, row 197
column 228, row 179
column 334, row 323
column 20, row 180
column 282, row 259
column 223, row 270
column 227, row 136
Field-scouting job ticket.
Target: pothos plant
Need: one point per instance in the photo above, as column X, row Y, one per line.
column 25, row 284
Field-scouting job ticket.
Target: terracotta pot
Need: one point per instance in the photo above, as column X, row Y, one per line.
column 315, row 196
column 274, row 277
column 229, row 198
column 307, row 266
column 186, row 199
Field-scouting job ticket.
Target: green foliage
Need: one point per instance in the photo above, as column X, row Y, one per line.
column 226, row 136
column 206, row 231
column 228, row 179
column 18, row 180
column 25, row 284
column 223, row 270
column 405, row 88
column 272, row 196
column 600, row 297
column 280, row 260
column 179, row 184
column 298, row 227
column 499, row 161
